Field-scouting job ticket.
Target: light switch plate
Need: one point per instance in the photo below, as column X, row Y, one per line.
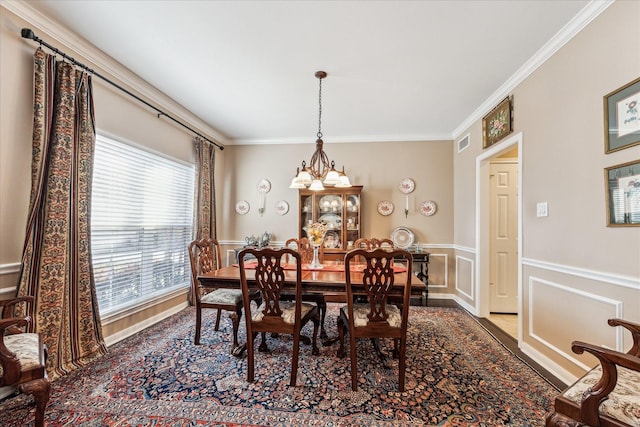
column 542, row 209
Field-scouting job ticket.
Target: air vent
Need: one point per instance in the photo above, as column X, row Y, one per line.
column 463, row 143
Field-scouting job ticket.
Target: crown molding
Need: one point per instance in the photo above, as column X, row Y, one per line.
column 562, row 37
column 342, row 140
column 74, row 45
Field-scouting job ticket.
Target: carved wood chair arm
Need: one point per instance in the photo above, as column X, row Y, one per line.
column 8, row 360
column 8, row 305
column 634, row 328
column 609, row 359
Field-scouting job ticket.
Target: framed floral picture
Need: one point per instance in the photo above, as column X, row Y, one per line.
column 622, row 117
column 622, row 184
column 498, row 123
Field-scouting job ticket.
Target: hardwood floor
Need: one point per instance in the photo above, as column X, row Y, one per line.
column 507, row 322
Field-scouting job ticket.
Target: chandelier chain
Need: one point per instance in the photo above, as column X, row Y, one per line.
column 320, row 110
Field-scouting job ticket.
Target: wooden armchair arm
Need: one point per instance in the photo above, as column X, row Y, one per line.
column 634, row 328
column 8, row 305
column 8, row 360
column 599, row 392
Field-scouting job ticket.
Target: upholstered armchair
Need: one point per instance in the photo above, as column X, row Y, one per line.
column 609, row 394
column 23, row 356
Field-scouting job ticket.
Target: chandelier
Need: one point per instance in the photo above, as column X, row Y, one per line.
column 319, row 172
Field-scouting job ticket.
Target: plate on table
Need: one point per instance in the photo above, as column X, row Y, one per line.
column 402, row 237
column 428, row 208
column 385, row 208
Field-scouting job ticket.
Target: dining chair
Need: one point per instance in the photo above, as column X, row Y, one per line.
column 204, row 256
column 375, row 318
column 275, row 315
column 23, row 355
column 304, row 248
column 373, row 243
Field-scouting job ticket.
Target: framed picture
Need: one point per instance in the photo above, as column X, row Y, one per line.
column 497, row 124
column 622, row 185
column 621, row 117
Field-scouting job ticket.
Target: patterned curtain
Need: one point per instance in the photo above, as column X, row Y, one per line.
column 204, row 224
column 56, row 260
column 204, row 204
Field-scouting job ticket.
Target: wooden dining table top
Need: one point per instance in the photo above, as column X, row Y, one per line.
column 332, row 279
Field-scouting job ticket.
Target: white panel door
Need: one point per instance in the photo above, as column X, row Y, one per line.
column 503, row 278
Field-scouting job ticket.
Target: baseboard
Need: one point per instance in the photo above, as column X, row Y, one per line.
column 119, row 336
column 548, row 364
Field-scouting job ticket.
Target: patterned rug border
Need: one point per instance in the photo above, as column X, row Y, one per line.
column 98, row 409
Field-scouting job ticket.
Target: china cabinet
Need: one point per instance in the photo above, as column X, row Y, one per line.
column 339, row 209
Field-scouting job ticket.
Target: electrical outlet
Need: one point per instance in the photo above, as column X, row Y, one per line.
column 542, row 209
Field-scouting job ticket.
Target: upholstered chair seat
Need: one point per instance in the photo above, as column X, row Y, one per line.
column 288, row 311
column 361, row 315
column 223, row 296
column 622, row 404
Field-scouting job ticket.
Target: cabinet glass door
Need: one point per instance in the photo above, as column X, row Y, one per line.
column 352, row 210
column 330, row 211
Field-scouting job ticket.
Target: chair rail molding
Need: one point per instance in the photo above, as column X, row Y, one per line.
column 611, row 278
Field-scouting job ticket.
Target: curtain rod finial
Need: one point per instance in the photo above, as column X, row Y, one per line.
column 27, row 33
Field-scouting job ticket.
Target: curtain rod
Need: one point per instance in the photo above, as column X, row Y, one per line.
column 27, row 33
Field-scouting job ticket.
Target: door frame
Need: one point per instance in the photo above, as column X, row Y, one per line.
column 483, row 169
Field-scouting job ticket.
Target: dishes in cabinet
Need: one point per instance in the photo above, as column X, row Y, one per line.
column 332, row 239
column 402, row 237
column 407, row 185
column 242, row 207
column 428, row 208
column 330, row 203
column 331, row 220
column 282, row 207
column 385, row 208
column 352, row 203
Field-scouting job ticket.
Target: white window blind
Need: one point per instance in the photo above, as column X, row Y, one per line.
column 141, row 224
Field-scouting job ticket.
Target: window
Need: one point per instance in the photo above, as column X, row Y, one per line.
column 141, row 225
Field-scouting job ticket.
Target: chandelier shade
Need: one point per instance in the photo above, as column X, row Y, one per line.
column 320, row 171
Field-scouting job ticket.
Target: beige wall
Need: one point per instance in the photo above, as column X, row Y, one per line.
column 576, row 272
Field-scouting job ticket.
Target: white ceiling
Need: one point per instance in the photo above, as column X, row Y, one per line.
column 397, row 70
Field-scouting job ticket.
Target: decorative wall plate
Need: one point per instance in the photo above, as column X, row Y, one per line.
column 242, row 207
column 264, row 186
column 282, row 207
column 402, row 237
column 407, row 185
column 428, row 208
column 385, row 208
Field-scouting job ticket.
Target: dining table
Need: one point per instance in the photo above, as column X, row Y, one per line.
column 329, row 281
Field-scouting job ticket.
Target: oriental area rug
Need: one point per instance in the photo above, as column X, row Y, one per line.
column 457, row 374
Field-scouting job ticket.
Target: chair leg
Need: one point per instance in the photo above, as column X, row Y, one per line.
column 402, row 364
column 294, row 359
column 235, row 321
column 341, row 331
column 263, row 345
column 40, row 389
column 322, row 307
column 354, row 363
column 250, row 365
column 314, row 341
column 218, row 320
column 196, row 338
